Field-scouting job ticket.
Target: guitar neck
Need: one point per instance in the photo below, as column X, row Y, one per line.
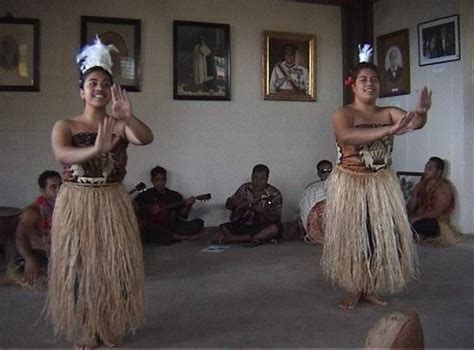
column 201, row 197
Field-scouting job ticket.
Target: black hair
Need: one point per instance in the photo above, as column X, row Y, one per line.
column 289, row 46
column 364, row 65
column 157, row 170
column 261, row 168
column 322, row 162
column 45, row 175
column 84, row 75
column 438, row 162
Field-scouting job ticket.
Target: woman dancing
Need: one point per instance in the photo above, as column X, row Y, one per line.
column 96, row 285
column 369, row 249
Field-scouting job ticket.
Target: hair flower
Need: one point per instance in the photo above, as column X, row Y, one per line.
column 349, row 81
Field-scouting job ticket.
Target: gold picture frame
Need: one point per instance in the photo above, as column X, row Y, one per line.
column 289, row 66
column 19, row 54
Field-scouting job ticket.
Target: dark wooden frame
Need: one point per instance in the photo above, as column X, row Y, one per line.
column 429, row 29
column 273, row 43
column 189, row 82
column 397, row 45
column 11, row 81
column 125, row 34
column 411, row 179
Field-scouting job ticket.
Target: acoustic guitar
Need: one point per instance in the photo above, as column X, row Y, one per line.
column 247, row 213
column 158, row 213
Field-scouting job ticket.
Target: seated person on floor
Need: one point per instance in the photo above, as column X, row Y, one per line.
column 32, row 234
column 162, row 213
column 431, row 205
column 255, row 211
column 312, row 205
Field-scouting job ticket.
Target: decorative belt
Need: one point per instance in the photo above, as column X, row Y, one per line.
column 92, row 182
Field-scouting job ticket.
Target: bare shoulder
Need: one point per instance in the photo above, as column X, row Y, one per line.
column 392, row 112
column 30, row 214
column 343, row 113
column 447, row 185
column 64, row 124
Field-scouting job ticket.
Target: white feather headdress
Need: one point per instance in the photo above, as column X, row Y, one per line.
column 96, row 55
column 365, row 53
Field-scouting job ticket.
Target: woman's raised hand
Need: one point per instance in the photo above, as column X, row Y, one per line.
column 424, row 101
column 106, row 140
column 121, row 107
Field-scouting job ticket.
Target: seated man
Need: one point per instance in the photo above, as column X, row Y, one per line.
column 431, row 205
column 162, row 213
column 312, row 205
column 32, row 233
column 255, row 211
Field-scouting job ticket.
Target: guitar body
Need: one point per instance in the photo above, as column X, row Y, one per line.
column 159, row 213
column 156, row 211
column 242, row 214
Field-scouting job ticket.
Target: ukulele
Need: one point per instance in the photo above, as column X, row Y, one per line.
column 246, row 214
column 158, row 213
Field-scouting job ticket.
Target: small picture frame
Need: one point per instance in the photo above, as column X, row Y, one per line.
column 408, row 181
column 393, row 60
column 289, row 66
column 438, row 41
column 125, row 35
column 19, row 54
column 201, row 58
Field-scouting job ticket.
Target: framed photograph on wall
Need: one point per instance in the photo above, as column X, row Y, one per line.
column 408, row 181
column 201, row 61
column 393, row 60
column 289, row 66
column 438, row 41
column 19, row 54
column 124, row 34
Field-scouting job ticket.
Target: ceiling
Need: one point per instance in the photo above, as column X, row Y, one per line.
column 334, row 2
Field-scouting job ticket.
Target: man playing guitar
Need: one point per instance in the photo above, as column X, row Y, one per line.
column 162, row 213
column 255, row 211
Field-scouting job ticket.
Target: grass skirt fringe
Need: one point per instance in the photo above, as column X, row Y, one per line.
column 369, row 244
column 448, row 235
column 96, row 277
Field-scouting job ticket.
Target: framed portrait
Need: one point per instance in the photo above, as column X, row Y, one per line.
column 393, row 60
column 438, row 41
column 408, row 181
column 19, row 54
column 289, row 66
column 201, row 58
column 125, row 35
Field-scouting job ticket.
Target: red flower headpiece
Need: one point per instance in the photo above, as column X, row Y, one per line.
column 349, row 80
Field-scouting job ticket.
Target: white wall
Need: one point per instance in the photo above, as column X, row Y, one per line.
column 207, row 146
column 448, row 133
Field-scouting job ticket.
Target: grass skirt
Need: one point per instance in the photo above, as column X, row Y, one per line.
column 368, row 244
column 96, row 276
column 448, row 235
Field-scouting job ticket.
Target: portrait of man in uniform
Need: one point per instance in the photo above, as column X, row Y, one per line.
column 289, row 66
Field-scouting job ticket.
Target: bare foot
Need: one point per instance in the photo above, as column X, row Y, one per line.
column 81, row 347
column 350, row 301
column 223, row 238
column 109, row 344
column 374, row 300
